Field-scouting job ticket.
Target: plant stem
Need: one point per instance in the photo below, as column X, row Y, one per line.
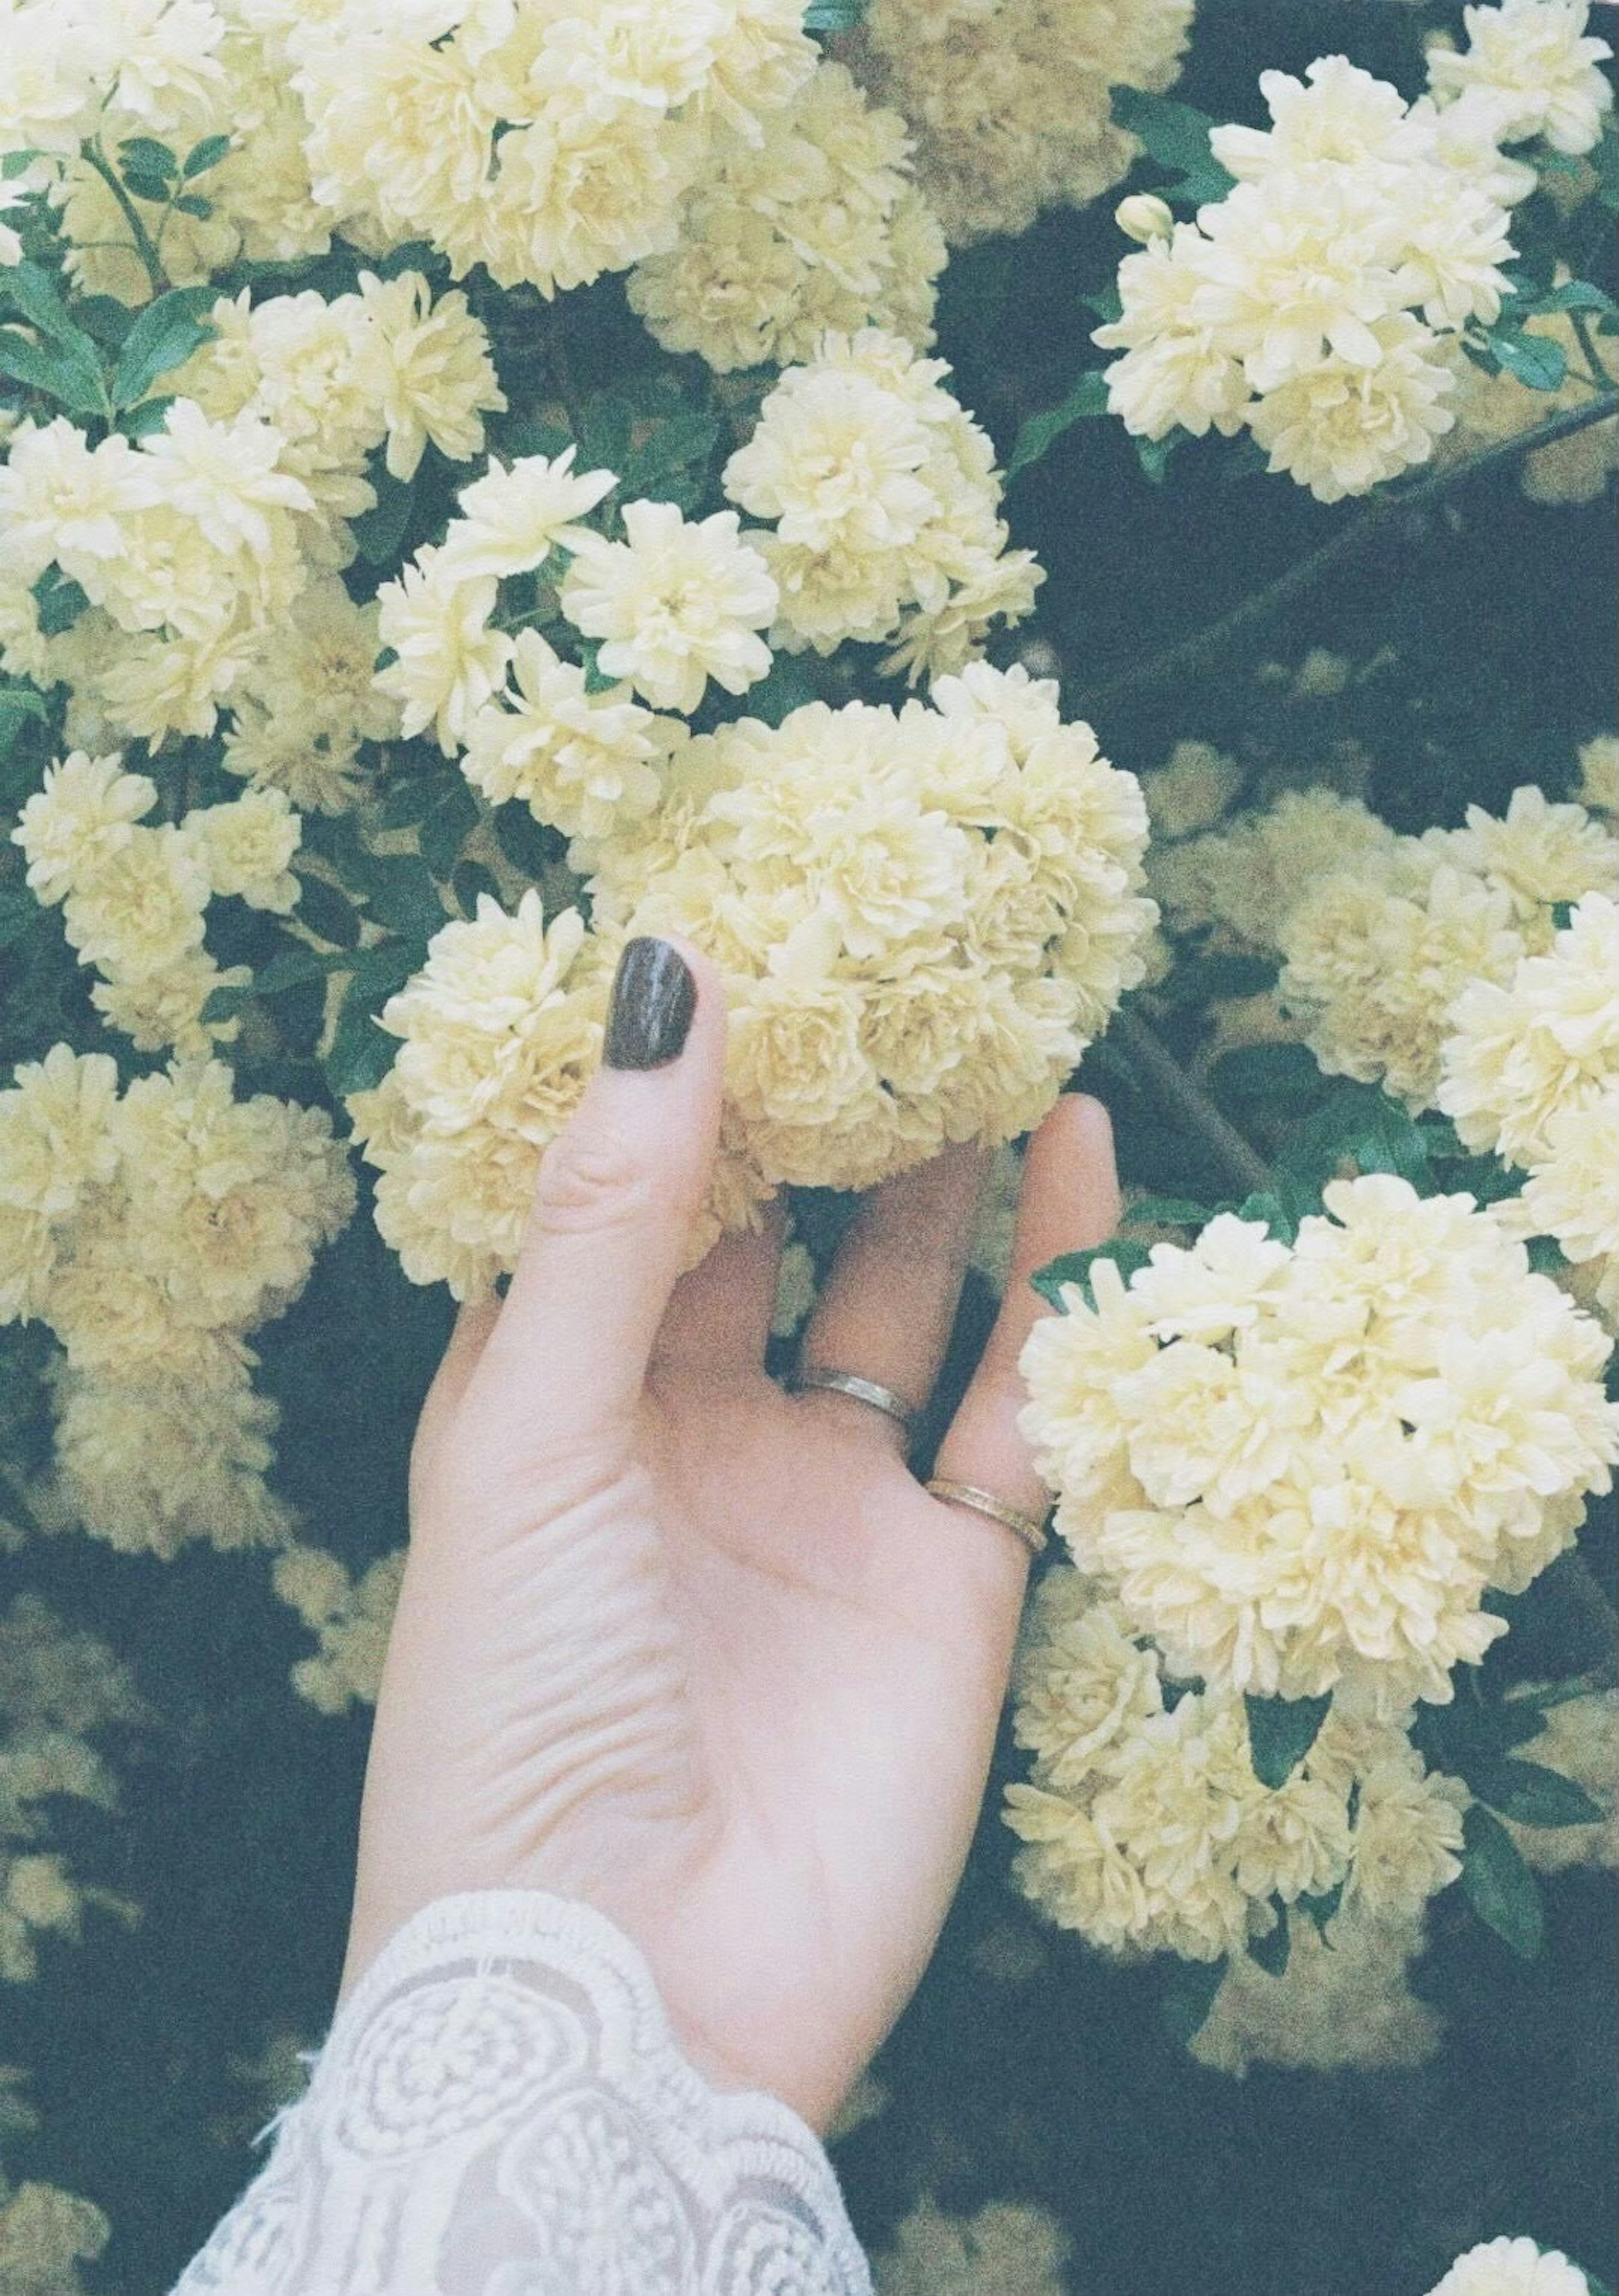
column 143, row 245
column 1208, row 647
column 1167, row 1082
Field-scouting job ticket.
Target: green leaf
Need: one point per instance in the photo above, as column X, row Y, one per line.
column 152, row 189
column 1499, row 1885
column 1168, row 1211
column 61, row 601
column 1177, row 137
column 380, row 532
column 1153, row 455
column 143, row 155
column 471, row 879
column 606, row 422
column 1572, row 295
column 1532, row 1795
column 361, row 1051
column 787, row 686
column 1539, row 362
column 1281, row 1209
column 166, row 332
column 1204, row 980
column 1272, row 1951
column 205, row 155
column 1284, row 1073
column 522, row 840
column 1076, row 1267
column 1282, row 1732
column 146, row 420
column 18, row 702
column 193, row 203
column 35, row 293
column 447, row 827
column 410, row 800
column 1190, row 1996
column 15, row 164
column 1361, row 1125
column 689, row 437
column 64, row 372
column 1604, row 158
column 833, row 15
column 400, row 893
column 327, row 912
column 1322, row 1906
column 1087, row 398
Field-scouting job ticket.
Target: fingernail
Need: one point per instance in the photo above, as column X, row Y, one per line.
column 654, row 997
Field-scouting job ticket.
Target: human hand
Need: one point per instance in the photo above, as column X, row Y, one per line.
column 671, row 1640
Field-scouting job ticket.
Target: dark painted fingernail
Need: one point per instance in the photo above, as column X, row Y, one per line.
column 654, row 997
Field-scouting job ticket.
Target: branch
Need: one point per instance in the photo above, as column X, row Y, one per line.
column 144, row 246
column 1167, row 1082
column 1204, row 647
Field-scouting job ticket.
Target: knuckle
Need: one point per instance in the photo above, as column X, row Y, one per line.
column 590, row 1183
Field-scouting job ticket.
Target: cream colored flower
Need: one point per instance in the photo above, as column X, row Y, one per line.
column 675, row 604
column 142, row 910
column 246, row 845
column 1543, row 1040
column 429, row 366
column 80, row 820
column 436, row 618
column 509, row 520
column 589, row 763
column 56, row 1137
column 1344, row 2003
column 1533, row 68
column 1512, row 2268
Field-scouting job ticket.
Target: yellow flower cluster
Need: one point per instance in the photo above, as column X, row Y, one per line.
column 922, row 915
column 351, row 1618
column 57, row 1688
column 1300, row 1465
column 548, row 141
column 1242, row 881
column 1344, row 2003
column 1530, row 1073
column 1009, row 2248
column 45, row 2234
column 179, row 71
column 1377, row 953
column 675, row 604
column 1144, row 1825
column 197, row 544
column 885, row 502
column 1009, row 99
column 135, row 896
column 815, row 225
column 501, row 1029
column 1321, row 303
column 151, row 1233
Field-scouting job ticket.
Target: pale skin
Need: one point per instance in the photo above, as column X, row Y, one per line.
column 698, row 1652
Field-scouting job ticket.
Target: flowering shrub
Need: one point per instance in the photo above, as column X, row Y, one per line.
column 481, row 482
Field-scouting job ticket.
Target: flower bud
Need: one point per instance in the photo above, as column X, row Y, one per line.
column 1144, row 216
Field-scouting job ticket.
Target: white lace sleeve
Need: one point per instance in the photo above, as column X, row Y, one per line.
column 500, row 2110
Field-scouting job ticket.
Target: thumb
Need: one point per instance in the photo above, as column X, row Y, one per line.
column 617, row 1191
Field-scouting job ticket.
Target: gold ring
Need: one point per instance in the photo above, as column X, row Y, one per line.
column 1029, row 1527
column 863, row 1390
